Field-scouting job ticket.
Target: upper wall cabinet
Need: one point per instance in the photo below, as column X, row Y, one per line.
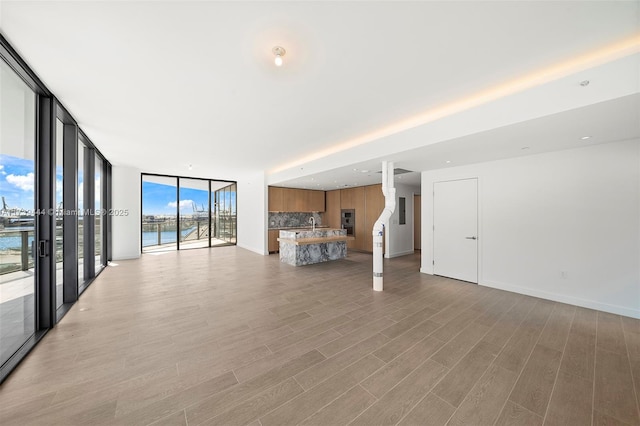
column 295, row 200
column 276, row 199
column 316, row 201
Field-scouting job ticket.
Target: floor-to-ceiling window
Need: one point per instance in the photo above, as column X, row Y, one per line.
column 183, row 213
column 59, row 213
column 159, row 213
column 17, row 217
column 224, row 214
column 98, row 214
column 194, row 213
column 54, row 190
column 82, row 191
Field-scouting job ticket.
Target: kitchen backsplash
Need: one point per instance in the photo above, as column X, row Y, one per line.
column 292, row 219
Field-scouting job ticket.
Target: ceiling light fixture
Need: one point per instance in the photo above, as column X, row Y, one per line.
column 584, row 138
column 279, row 52
column 448, row 161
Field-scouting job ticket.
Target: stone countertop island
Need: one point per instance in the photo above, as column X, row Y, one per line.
column 305, row 246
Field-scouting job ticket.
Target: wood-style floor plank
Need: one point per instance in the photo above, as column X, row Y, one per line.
column 458, row 382
column 396, row 403
column 202, row 409
column 225, row 336
column 343, row 409
column 610, row 334
column 580, row 350
column 305, row 405
column 483, row 404
column 431, row 411
column 260, row 404
column 403, row 342
column 556, row 331
column 515, row 415
column 614, row 389
column 571, row 402
column 457, row 347
column 533, row 389
column 391, row 374
column 327, row 368
column 517, row 350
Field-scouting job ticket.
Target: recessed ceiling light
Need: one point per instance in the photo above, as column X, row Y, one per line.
column 584, row 138
column 355, row 170
column 448, row 161
column 364, row 171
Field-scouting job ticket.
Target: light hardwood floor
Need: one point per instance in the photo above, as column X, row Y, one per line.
column 227, row 337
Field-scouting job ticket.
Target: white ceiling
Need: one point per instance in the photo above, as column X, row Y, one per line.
column 164, row 85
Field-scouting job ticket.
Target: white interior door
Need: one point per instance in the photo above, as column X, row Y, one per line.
column 455, row 229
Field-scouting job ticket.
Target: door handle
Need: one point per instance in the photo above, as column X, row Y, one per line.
column 43, row 248
column 471, row 238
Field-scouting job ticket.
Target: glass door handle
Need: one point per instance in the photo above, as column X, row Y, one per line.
column 43, row 249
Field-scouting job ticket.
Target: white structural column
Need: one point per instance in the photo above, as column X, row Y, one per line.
column 389, row 193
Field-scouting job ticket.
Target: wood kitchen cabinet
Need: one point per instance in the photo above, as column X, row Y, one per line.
column 316, row 201
column 332, row 209
column 368, row 203
column 274, row 246
column 295, row 200
column 291, row 201
column 276, row 199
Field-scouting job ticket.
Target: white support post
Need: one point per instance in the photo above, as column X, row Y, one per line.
column 389, row 193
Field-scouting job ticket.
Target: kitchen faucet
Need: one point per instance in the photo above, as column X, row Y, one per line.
column 312, row 221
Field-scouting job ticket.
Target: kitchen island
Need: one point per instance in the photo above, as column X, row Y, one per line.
column 305, row 246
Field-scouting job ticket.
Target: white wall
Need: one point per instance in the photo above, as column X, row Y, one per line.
column 252, row 213
column 126, row 196
column 399, row 238
column 574, row 213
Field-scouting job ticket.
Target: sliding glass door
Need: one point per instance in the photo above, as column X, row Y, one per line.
column 17, row 217
column 224, row 214
column 54, row 194
column 98, row 214
column 82, row 191
column 159, row 213
column 194, row 213
column 59, row 213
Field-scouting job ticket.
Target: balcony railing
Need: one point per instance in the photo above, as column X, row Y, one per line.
column 193, row 231
column 16, row 249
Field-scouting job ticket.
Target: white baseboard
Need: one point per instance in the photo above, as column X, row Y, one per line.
column 402, row 253
column 253, row 249
column 563, row 298
column 127, row 257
